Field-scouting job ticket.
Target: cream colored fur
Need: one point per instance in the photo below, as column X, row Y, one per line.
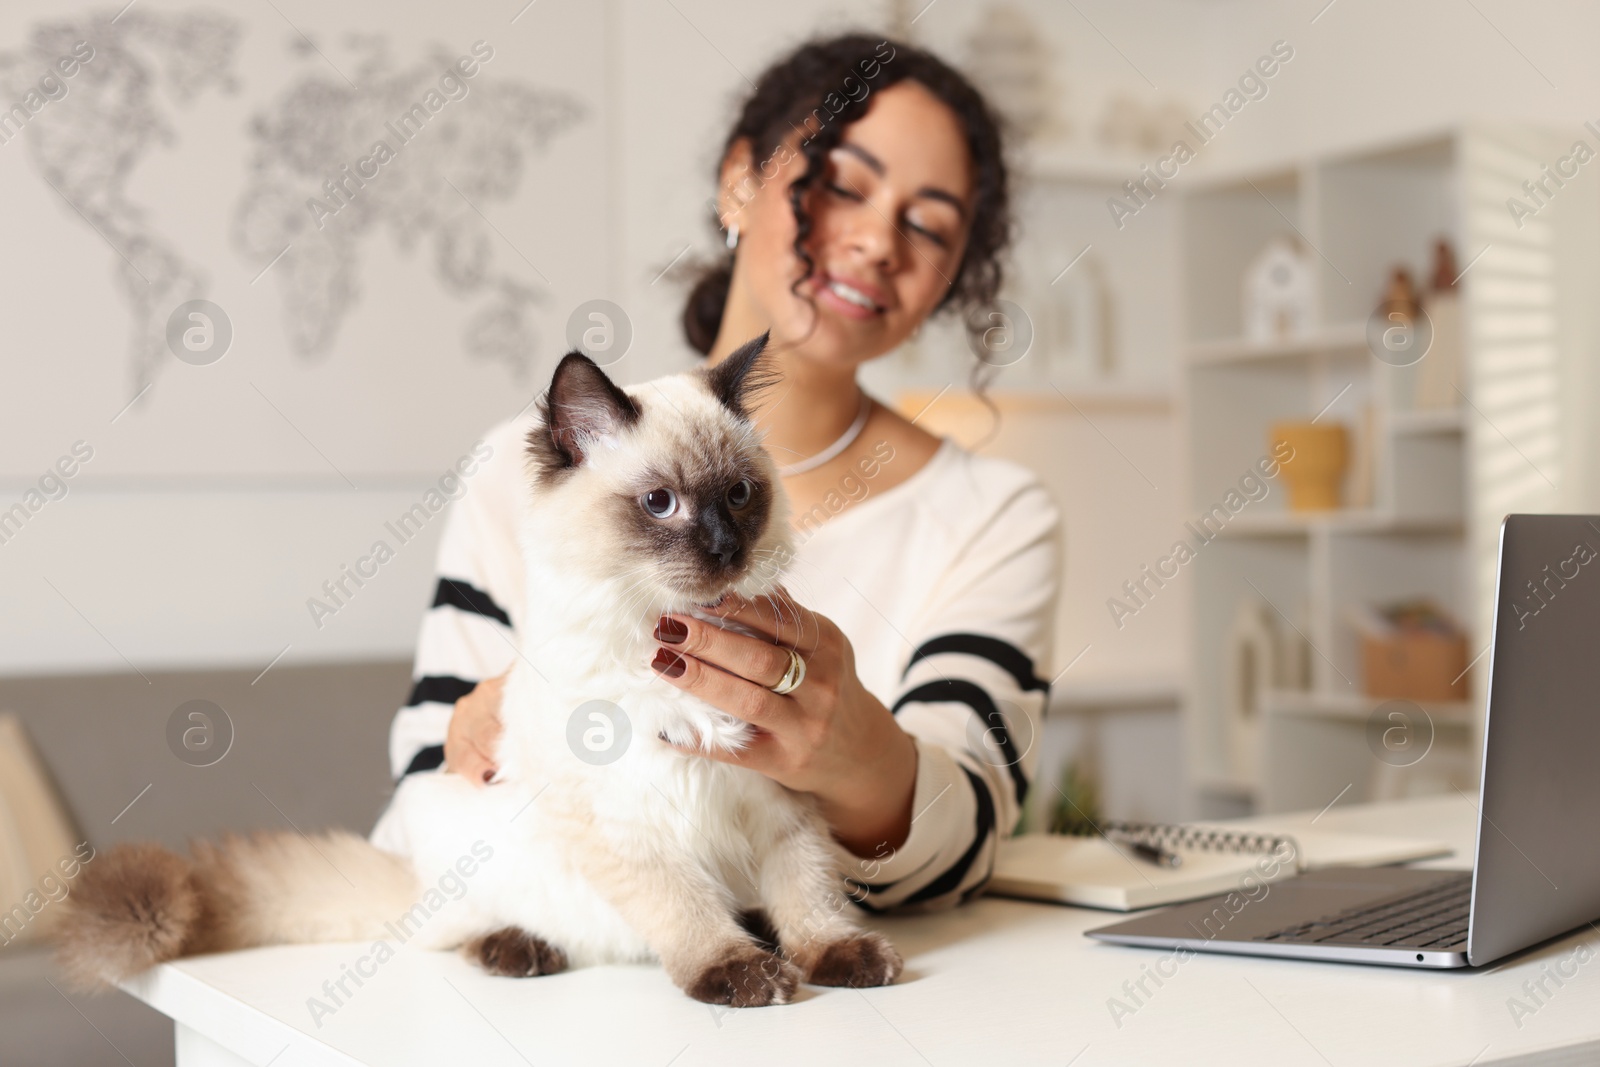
column 650, row 857
column 653, row 855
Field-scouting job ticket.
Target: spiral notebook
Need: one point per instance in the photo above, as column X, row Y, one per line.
column 1096, row 872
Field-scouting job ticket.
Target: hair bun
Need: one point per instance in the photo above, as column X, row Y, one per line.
column 702, row 312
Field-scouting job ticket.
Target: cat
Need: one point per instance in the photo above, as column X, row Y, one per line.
column 642, row 501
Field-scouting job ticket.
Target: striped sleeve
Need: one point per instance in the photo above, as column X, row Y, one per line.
column 973, row 697
column 467, row 634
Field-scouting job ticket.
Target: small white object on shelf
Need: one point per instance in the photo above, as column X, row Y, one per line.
column 1262, row 657
column 1439, row 370
column 1277, row 293
column 1441, row 366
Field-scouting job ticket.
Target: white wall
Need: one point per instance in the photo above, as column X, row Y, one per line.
column 220, row 501
column 1368, row 71
column 206, row 519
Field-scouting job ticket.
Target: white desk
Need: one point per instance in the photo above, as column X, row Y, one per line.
column 995, row 982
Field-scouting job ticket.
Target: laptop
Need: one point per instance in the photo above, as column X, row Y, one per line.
column 1537, row 870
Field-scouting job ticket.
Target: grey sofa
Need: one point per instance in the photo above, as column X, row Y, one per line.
column 310, row 748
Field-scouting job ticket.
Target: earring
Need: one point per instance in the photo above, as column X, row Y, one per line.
column 733, row 237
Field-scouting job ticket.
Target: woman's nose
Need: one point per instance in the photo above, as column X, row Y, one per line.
column 873, row 236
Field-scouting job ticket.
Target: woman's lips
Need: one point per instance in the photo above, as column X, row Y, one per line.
column 841, row 306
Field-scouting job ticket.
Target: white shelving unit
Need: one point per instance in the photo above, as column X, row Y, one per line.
column 1096, row 431
column 1429, row 485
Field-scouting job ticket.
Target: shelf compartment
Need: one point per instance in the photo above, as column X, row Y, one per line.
column 1227, row 225
column 1226, row 575
column 1405, row 197
column 1231, row 410
column 1373, row 569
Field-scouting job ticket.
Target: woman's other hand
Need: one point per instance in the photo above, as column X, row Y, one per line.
column 474, row 730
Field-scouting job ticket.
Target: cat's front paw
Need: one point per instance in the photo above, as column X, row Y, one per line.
column 705, row 729
column 744, row 976
column 858, row 961
column 514, row 953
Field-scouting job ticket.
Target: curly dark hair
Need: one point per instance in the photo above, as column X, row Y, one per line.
column 821, row 81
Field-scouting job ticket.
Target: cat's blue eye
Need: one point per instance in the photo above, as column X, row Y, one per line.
column 661, row 502
column 739, row 494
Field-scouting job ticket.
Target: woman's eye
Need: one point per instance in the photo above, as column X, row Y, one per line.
column 739, row 493
column 661, row 502
column 933, row 235
column 848, row 194
column 930, row 235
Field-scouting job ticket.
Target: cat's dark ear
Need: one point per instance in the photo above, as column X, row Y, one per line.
column 582, row 406
column 740, row 378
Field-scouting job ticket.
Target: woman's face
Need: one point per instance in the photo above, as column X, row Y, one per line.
column 890, row 218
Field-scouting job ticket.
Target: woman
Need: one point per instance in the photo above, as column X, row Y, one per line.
column 862, row 190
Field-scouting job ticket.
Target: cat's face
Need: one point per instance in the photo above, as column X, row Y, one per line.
column 664, row 486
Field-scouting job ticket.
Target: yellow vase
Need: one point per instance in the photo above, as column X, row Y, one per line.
column 1315, row 470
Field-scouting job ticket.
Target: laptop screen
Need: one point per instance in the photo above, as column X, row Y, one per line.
column 1538, row 867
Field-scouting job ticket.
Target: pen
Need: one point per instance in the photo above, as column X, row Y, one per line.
column 1155, row 854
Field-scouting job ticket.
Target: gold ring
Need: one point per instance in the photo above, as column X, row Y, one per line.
column 792, row 677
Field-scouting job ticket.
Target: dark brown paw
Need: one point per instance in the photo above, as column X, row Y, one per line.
column 859, row 961
column 515, row 953
column 745, row 976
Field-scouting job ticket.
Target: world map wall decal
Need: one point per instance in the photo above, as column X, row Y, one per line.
column 107, row 118
column 419, row 151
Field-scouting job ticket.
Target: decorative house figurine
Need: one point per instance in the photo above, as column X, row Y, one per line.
column 1248, row 677
column 1277, row 293
column 1263, row 656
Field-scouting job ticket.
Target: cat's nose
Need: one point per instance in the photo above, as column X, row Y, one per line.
column 724, row 549
column 719, row 539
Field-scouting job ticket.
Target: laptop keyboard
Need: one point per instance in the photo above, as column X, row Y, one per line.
column 1433, row 918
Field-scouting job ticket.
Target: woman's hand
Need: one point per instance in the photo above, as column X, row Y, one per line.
column 829, row 737
column 474, row 729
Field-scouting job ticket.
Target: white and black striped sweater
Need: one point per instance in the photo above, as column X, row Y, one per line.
column 945, row 585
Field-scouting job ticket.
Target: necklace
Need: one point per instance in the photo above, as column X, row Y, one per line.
column 811, row 463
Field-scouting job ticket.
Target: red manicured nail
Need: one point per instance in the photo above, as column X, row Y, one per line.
column 669, row 663
column 488, row 776
column 671, row 631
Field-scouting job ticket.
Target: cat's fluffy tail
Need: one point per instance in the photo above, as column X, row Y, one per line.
column 139, row 905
